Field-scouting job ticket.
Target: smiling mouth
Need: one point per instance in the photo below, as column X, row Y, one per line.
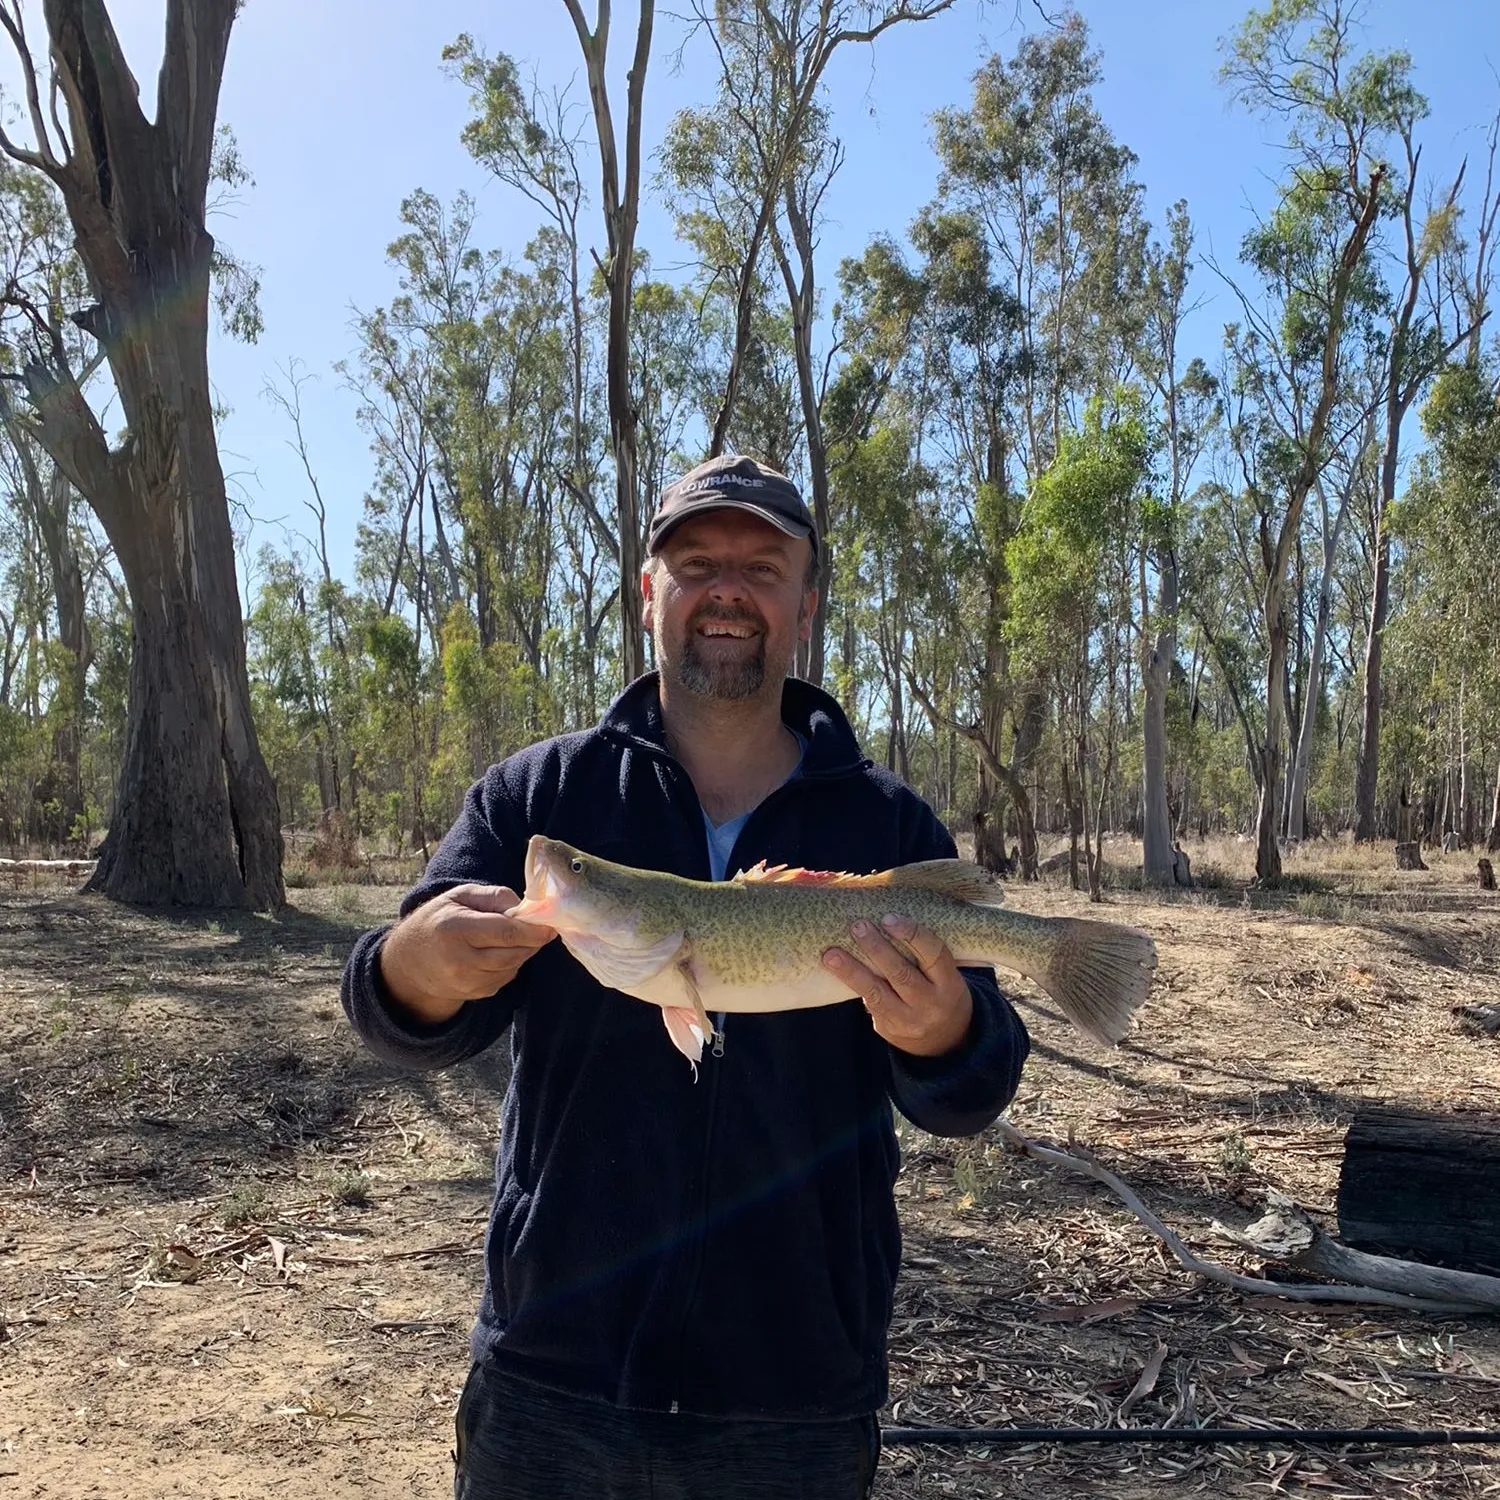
column 726, row 632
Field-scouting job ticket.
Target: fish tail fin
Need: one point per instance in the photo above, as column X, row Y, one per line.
column 1100, row 973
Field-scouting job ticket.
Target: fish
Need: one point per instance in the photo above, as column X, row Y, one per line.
column 754, row 943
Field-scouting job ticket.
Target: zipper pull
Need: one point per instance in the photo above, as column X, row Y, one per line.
column 718, row 1048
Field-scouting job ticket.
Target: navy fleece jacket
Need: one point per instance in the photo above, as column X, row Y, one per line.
column 728, row 1246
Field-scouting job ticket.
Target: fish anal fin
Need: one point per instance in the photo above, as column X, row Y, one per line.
column 957, row 879
column 687, row 1036
column 690, row 984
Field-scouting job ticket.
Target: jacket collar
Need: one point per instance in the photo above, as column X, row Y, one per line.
column 832, row 749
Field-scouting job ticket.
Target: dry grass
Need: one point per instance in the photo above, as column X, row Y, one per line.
column 238, row 1257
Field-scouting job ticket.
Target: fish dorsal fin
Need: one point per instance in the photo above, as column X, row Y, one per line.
column 957, row 879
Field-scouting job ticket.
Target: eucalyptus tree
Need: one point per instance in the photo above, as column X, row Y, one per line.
column 620, row 202
column 44, row 280
column 1292, row 62
column 1034, row 165
column 1187, row 409
column 195, row 818
column 1420, row 339
column 735, row 160
column 748, row 175
column 1033, row 253
column 972, row 360
column 529, row 141
column 1070, row 562
column 1450, row 524
column 466, row 386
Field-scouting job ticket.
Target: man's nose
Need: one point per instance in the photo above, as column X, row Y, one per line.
column 729, row 582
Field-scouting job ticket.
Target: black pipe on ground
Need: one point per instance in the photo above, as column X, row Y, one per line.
column 1274, row 1437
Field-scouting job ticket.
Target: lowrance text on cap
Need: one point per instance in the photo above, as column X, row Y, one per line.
column 738, row 483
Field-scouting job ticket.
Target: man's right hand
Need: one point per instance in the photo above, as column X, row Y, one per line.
column 458, row 947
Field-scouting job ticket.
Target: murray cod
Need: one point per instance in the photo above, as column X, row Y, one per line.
column 755, row 943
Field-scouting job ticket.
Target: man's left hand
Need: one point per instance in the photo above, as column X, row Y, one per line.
column 919, row 1004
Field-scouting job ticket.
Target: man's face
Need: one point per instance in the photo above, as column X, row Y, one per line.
column 727, row 604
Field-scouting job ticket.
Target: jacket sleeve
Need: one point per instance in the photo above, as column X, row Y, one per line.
column 967, row 1089
column 485, row 845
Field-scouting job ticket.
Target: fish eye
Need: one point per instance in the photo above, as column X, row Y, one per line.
column 576, row 866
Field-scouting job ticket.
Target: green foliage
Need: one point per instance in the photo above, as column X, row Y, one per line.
column 1081, row 516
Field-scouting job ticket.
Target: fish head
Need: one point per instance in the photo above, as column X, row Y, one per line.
column 573, row 892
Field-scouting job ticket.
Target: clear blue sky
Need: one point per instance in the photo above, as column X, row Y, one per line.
column 341, row 108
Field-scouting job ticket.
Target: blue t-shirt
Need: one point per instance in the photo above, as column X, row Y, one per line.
column 721, row 837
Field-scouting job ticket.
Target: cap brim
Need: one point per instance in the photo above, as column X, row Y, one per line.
column 721, row 502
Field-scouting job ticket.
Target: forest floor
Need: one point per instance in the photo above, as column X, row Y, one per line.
column 239, row 1257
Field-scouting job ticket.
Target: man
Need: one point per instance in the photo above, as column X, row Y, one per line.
column 688, row 1283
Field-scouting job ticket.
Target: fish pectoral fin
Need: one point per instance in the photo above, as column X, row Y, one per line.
column 619, row 966
column 958, row 879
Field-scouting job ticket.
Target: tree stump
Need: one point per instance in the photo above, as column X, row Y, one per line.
column 1182, row 866
column 1423, row 1187
column 1409, row 856
column 1486, row 875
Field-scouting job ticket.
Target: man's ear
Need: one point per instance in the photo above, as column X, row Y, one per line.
column 646, row 597
column 805, row 619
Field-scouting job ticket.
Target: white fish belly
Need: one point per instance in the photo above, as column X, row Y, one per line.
column 812, row 988
column 800, row 992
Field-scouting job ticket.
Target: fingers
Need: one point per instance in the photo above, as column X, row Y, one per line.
column 497, row 898
column 476, row 914
column 923, row 944
column 909, row 980
column 863, row 982
column 916, row 997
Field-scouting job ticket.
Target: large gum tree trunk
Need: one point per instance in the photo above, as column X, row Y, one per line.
column 196, row 819
column 196, row 816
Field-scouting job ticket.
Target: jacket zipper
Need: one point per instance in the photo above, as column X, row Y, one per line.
column 696, row 1274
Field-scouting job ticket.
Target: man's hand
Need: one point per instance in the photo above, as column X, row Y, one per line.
column 920, row 1005
column 459, row 946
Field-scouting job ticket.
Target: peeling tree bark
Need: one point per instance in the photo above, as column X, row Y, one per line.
column 196, row 820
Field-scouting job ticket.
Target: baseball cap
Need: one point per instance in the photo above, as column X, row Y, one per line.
column 732, row 482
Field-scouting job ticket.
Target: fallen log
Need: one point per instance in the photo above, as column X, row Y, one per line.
column 1287, row 1236
column 1423, row 1186
column 1222, row 1275
column 47, row 866
column 1482, row 1017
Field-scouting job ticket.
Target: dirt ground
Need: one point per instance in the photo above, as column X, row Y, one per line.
column 239, row 1258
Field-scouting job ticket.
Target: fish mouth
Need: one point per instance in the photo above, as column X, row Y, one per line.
column 546, row 888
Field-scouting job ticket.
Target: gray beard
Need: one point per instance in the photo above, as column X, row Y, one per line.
column 727, row 680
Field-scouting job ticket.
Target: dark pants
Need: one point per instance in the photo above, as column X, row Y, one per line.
column 519, row 1441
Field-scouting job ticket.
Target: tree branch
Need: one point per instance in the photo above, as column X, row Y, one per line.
column 187, row 92
column 43, row 157
column 1250, row 1285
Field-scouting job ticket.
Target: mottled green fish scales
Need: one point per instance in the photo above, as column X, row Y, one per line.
column 756, row 943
